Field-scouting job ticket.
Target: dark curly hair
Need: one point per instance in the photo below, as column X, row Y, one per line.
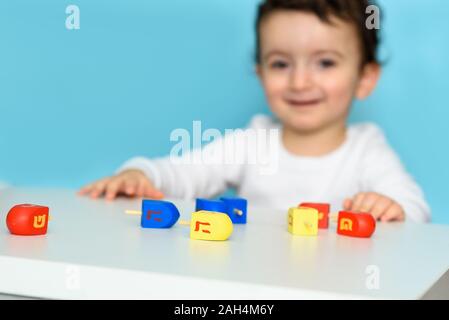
column 353, row 11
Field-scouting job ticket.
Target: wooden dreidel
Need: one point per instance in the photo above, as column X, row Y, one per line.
column 303, row 221
column 236, row 208
column 207, row 225
column 210, row 205
column 28, row 220
column 360, row 225
column 158, row 214
column 323, row 213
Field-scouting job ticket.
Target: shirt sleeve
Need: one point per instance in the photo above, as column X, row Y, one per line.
column 203, row 172
column 383, row 172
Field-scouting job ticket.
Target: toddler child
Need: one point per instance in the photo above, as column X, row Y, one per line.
column 313, row 59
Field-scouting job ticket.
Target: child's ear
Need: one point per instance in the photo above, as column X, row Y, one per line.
column 368, row 80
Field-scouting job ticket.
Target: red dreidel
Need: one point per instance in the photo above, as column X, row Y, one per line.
column 323, row 213
column 360, row 225
column 28, row 220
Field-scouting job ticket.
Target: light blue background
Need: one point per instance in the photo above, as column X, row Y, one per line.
column 75, row 104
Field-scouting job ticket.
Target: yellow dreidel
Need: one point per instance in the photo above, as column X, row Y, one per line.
column 208, row 225
column 303, row 221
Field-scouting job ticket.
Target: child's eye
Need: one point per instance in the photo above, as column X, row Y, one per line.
column 278, row 65
column 327, row 63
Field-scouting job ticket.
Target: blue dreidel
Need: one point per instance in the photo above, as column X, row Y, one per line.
column 158, row 214
column 236, row 209
column 210, row 205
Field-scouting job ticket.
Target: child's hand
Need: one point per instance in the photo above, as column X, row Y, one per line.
column 131, row 183
column 381, row 207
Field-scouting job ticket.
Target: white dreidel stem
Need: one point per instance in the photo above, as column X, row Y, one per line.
column 138, row 212
column 134, row 212
column 333, row 215
column 184, row 222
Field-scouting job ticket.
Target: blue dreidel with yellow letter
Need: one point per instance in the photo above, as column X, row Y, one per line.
column 236, row 208
column 303, row 221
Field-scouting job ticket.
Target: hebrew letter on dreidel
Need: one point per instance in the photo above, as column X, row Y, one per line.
column 346, row 224
column 157, row 214
column 39, row 221
column 199, row 223
column 151, row 212
column 290, row 221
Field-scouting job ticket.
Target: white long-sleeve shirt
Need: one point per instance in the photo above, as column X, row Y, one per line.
column 255, row 162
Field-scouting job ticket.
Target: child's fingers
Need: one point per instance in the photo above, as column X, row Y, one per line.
column 90, row 187
column 152, row 192
column 85, row 190
column 347, row 204
column 130, row 187
column 156, row 194
column 364, row 202
column 393, row 213
column 98, row 188
column 149, row 191
column 369, row 201
column 381, row 207
column 357, row 202
column 141, row 187
column 113, row 188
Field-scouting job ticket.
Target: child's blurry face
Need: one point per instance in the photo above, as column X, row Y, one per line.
column 311, row 70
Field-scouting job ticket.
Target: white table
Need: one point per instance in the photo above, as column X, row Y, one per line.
column 94, row 250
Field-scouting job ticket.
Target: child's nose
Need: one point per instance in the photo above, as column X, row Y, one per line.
column 300, row 79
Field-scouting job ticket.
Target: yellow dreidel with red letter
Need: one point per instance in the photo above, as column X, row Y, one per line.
column 209, row 225
column 303, row 221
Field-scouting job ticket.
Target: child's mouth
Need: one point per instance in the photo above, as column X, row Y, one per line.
column 304, row 103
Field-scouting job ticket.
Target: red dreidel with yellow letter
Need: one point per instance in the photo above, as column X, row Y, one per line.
column 360, row 225
column 28, row 220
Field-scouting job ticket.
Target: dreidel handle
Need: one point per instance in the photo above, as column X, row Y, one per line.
column 333, row 215
column 133, row 212
column 184, row 222
column 238, row 212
